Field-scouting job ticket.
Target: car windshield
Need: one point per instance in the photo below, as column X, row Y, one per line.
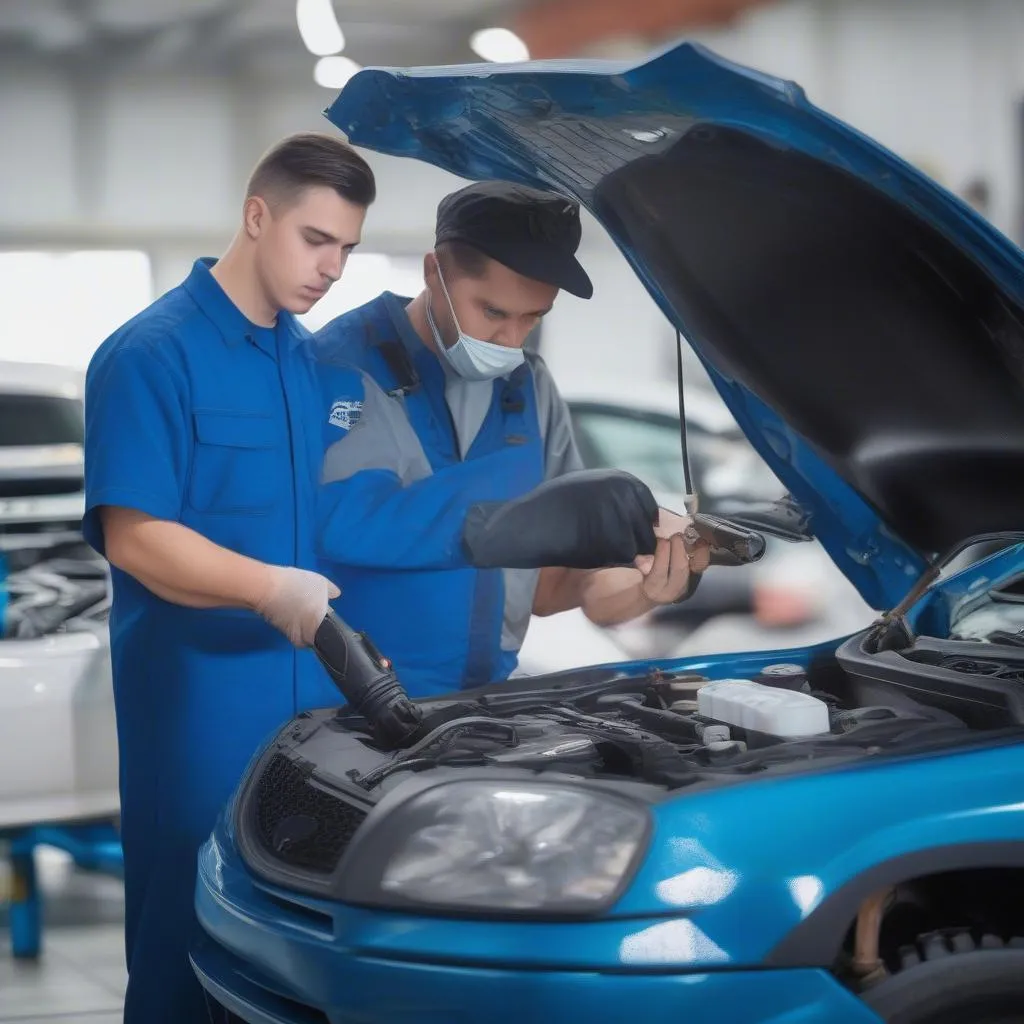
column 40, row 420
column 646, row 445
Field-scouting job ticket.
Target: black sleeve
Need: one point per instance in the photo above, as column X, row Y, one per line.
column 590, row 519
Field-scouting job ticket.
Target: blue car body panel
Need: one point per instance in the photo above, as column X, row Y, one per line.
column 272, row 966
column 737, row 878
column 470, row 121
column 360, row 988
column 778, row 844
column 804, row 850
column 682, row 938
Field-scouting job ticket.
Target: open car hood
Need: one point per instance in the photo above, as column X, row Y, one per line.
column 864, row 326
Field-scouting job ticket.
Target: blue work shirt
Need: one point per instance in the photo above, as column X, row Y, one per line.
column 197, row 416
column 397, row 485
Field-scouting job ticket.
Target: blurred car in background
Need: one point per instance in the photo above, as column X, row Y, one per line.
column 58, row 749
column 793, row 596
column 639, row 432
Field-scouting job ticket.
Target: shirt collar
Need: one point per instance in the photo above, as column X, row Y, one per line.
column 292, row 330
column 232, row 324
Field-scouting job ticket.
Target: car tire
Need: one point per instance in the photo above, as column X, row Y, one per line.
column 954, row 977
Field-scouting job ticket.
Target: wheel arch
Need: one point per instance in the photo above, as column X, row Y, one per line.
column 817, row 940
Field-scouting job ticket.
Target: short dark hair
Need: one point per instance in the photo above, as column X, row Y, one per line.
column 462, row 260
column 306, row 161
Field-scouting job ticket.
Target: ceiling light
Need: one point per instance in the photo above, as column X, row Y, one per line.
column 499, row 45
column 334, row 72
column 318, row 27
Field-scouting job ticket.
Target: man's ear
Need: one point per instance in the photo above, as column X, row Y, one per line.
column 430, row 269
column 255, row 215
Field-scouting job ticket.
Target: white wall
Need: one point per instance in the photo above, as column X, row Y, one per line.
column 158, row 163
column 163, row 160
column 617, row 336
column 937, row 81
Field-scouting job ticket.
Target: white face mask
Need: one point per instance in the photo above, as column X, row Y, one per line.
column 469, row 357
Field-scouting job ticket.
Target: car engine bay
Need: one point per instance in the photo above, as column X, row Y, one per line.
column 53, row 582
column 665, row 729
column 658, row 730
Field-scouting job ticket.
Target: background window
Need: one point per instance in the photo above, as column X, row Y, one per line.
column 59, row 307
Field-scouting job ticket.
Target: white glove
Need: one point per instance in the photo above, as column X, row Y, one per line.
column 295, row 602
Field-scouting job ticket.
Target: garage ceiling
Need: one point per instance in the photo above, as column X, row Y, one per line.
column 227, row 36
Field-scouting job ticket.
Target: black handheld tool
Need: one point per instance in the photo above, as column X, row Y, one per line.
column 368, row 682
column 730, row 544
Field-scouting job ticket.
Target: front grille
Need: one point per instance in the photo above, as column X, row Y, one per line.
column 299, row 824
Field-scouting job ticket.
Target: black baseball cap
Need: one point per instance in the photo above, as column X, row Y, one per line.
column 534, row 233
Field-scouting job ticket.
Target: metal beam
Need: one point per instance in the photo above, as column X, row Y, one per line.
column 562, row 28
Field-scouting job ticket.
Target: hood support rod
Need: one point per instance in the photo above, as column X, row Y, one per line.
column 691, row 497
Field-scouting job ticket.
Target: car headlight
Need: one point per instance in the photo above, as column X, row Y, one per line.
column 514, row 847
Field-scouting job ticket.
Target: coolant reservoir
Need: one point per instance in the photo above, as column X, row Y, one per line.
column 787, row 714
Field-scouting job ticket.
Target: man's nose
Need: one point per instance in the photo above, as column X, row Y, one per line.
column 332, row 265
column 511, row 335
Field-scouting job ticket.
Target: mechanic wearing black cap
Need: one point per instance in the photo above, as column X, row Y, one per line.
column 431, row 406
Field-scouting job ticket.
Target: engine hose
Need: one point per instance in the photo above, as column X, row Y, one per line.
column 413, row 755
column 867, row 962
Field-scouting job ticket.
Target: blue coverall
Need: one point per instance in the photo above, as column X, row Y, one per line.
column 397, row 487
column 196, row 415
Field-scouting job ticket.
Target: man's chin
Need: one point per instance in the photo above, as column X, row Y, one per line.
column 302, row 304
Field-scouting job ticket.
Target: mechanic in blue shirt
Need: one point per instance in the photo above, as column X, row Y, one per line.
column 200, row 488
column 432, row 407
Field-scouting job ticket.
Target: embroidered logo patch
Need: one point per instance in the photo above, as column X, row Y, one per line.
column 345, row 413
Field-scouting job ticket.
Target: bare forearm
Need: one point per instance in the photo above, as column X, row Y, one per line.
column 180, row 565
column 607, row 596
column 611, row 596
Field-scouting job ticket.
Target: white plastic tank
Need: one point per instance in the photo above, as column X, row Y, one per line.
column 787, row 714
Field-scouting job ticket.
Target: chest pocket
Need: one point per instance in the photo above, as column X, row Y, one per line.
column 235, row 463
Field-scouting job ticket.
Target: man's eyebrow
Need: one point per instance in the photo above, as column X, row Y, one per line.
column 505, row 312
column 325, row 236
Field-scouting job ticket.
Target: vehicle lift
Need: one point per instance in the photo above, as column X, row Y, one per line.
column 94, row 846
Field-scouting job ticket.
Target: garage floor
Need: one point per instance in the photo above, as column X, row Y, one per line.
column 80, row 978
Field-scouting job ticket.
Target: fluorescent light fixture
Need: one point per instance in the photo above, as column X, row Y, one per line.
column 319, row 27
column 334, row 72
column 499, row 45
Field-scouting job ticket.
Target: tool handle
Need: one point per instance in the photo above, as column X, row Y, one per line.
column 367, row 681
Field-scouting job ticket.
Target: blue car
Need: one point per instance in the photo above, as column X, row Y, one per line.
column 832, row 834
